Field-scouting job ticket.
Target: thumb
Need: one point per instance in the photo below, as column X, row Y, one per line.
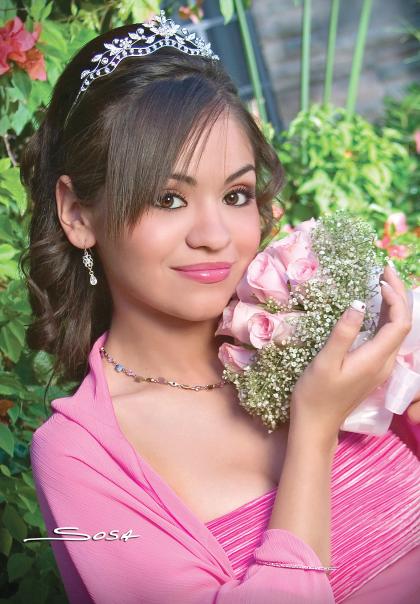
column 344, row 333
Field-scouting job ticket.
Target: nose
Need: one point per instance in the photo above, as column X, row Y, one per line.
column 210, row 226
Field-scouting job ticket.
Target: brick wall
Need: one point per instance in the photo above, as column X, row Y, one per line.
column 385, row 70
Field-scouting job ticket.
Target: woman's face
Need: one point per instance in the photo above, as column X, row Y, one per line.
column 214, row 218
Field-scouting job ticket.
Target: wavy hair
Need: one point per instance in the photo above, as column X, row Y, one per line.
column 128, row 128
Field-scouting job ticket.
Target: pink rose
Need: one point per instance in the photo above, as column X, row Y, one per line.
column 302, row 269
column 261, row 326
column 245, row 292
column 287, row 228
column 265, row 277
column 239, row 324
column 265, row 327
column 234, row 357
column 398, row 219
column 224, row 326
column 306, row 225
column 290, row 248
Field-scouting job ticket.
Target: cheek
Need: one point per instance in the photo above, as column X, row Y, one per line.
column 248, row 234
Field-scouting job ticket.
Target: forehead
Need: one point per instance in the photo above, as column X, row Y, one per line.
column 222, row 148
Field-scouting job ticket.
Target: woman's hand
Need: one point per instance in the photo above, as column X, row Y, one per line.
column 338, row 380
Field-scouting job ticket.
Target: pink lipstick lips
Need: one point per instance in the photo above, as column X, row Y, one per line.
column 206, row 272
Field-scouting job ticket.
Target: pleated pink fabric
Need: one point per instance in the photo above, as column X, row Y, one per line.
column 89, row 477
column 375, row 521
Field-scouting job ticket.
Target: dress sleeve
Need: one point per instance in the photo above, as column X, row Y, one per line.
column 154, row 566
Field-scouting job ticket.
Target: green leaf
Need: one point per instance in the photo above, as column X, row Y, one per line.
column 18, row 330
column 34, row 519
column 42, row 364
column 5, row 470
column 6, row 541
column 319, row 178
column 36, row 8
column 7, row 441
column 227, row 9
column 52, row 35
column 20, row 118
column 10, row 342
column 10, row 384
column 4, row 125
column 5, row 163
column 32, row 589
column 22, row 81
column 18, row 565
column 14, row 523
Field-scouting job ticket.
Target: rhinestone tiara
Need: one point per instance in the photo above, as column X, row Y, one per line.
column 139, row 43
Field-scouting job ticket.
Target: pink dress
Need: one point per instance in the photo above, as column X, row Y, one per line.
column 91, row 482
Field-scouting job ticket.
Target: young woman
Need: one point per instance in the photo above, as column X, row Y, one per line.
column 169, row 493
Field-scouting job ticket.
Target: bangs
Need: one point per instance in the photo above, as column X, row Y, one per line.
column 147, row 136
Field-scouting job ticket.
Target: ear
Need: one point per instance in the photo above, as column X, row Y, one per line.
column 75, row 219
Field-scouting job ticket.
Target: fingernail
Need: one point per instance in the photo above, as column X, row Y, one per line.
column 391, row 264
column 358, row 305
column 384, row 283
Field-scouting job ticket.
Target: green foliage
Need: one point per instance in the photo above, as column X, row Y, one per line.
column 404, row 115
column 335, row 162
column 28, row 570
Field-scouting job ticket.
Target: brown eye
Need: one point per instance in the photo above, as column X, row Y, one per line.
column 165, row 201
column 243, row 192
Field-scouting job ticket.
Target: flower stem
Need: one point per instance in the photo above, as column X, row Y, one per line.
column 306, row 43
column 251, row 61
column 332, row 35
column 358, row 57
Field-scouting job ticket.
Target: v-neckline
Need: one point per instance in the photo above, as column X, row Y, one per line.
column 149, row 472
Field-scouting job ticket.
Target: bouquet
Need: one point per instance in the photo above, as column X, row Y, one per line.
column 285, row 307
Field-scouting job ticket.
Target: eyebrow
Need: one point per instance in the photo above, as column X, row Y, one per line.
column 191, row 181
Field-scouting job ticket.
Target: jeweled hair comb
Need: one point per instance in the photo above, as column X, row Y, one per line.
column 141, row 42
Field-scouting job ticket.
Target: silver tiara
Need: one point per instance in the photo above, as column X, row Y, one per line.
column 140, row 42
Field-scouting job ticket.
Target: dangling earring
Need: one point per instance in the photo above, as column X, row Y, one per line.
column 88, row 262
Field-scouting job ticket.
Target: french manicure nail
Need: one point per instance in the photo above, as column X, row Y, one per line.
column 391, row 264
column 358, row 305
column 384, row 283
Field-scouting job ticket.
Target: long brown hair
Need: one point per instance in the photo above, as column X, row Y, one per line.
column 118, row 147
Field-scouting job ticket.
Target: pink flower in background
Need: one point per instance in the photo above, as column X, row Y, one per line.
column 399, row 221
column 17, row 44
column 278, row 212
column 235, row 357
column 287, row 228
column 225, row 323
column 417, row 140
column 35, row 65
column 265, row 277
column 398, row 251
